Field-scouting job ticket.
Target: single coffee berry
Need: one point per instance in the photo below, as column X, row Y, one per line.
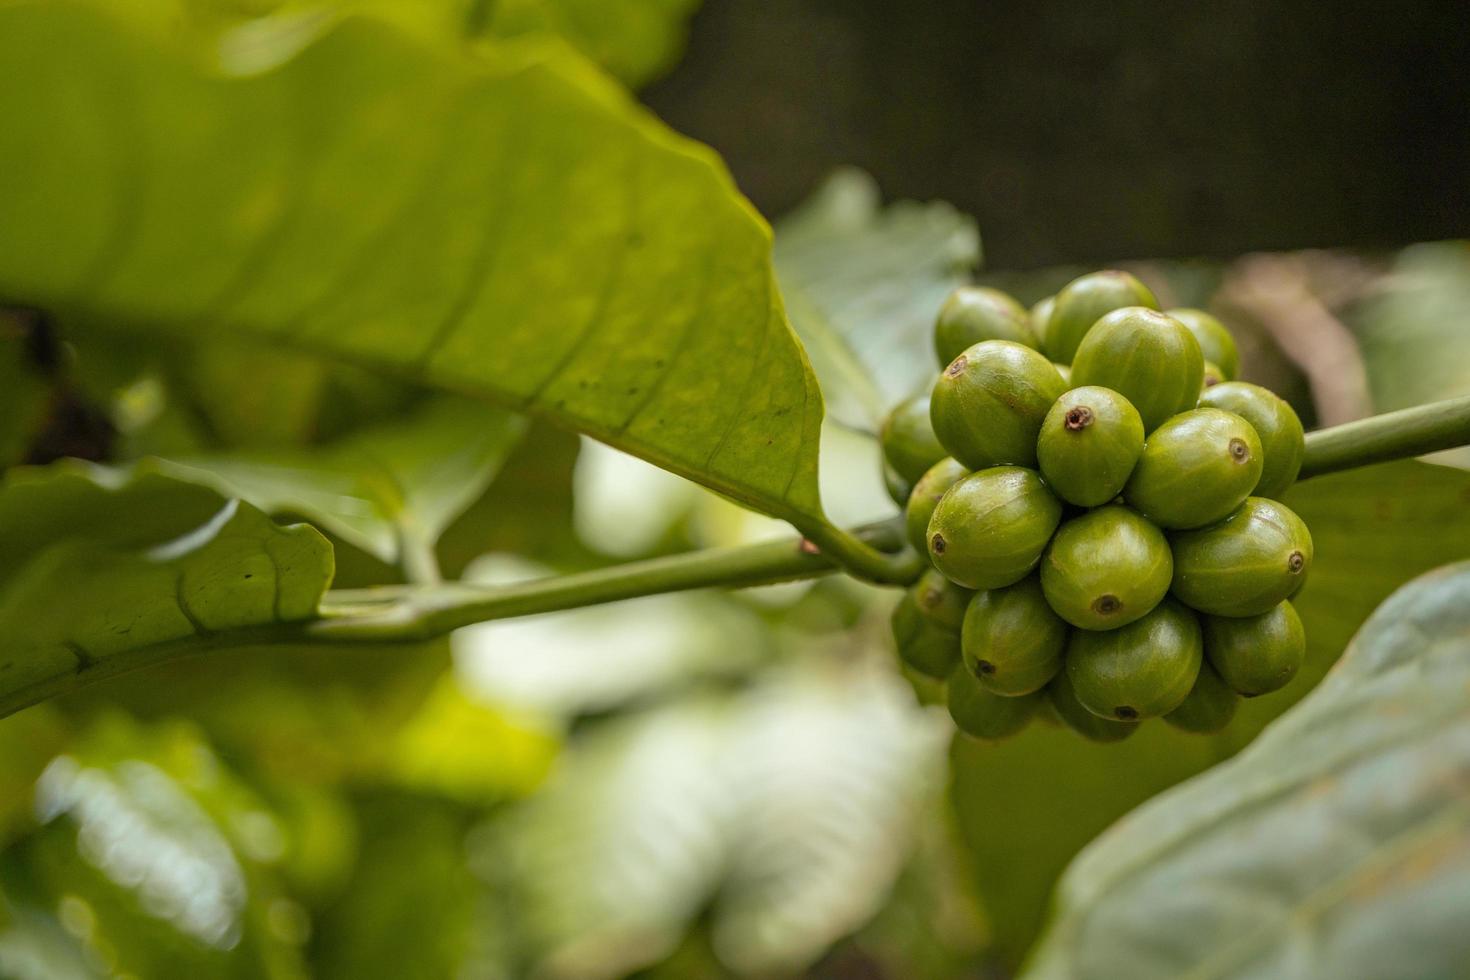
column 1012, row 641
column 1211, row 703
column 1143, row 670
column 1084, row 301
column 908, row 440
column 922, row 644
column 1257, row 557
column 989, row 529
column 1106, row 569
column 988, row 404
column 1147, row 357
column 1089, row 442
column 925, row 497
column 984, row 715
column 975, row 313
column 940, row 600
column 1072, row 714
column 1215, row 342
column 1257, row 654
column 1196, row 469
column 1276, row 423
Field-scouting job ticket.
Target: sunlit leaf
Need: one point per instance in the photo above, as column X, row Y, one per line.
column 863, row 284
column 507, row 224
column 1337, row 845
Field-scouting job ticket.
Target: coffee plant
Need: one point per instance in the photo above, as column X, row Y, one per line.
column 445, row 531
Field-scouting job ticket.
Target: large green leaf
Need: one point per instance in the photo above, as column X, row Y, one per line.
column 863, row 284
column 85, row 609
column 508, row 224
column 1338, row 845
column 1374, row 529
column 389, row 490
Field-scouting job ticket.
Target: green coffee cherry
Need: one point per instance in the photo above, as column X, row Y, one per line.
column 1257, row 654
column 1040, row 315
column 1065, row 370
column 990, row 528
column 1213, row 376
column 1106, row 569
column 1142, row 670
column 1246, row 564
column 975, row 313
column 899, row 489
column 1196, row 469
column 922, row 644
column 983, row 715
column 1072, row 714
column 925, row 497
column 1084, row 301
column 941, row 601
column 1145, row 356
column 909, row 443
column 1276, row 424
column 1012, row 641
column 1089, row 442
column 988, row 404
column 1215, row 342
column 1211, row 703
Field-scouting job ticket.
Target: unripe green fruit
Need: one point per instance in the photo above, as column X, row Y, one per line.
column 1244, row 565
column 1106, row 569
column 923, row 645
column 1072, row 714
column 983, row 715
column 908, row 440
column 990, row 528
column 941, row 601
column 1213, row 376
column 925, row 497
column 1089, row 442
column 1196, row 469
column 1215, row 342
column 1012, row 641
column 1040, row 315
column 988, row 404
column 899, row 489
column 1143, row 670
column 1211, row 703
column 1257, row 654
column 1145, row 356
column 1084, row 301
column 975, row 313
column 1065, row 370
column 1276, row 424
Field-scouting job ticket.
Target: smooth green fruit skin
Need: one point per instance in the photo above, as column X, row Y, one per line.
column 1012, row 641
column 1065, row 370
column 899, row 489
column 975, row 313
column 1040, row 315
column 923, row 645
column 941, row 601
column 1283, row 443
column 983, row 715
column 1084, row 301
column 1072, row 714
column 1211, row 703
column 988, row 404
column 1196, row 469
column 1145, row 356
column 1246, row 564
column 1106, row 569
column 1215, row 342
column 1213, row 376
column 1257, row 654
column 1089, row 443
column 925, row 497
column 909, row 443
column 990, row 528
column 1143, row 670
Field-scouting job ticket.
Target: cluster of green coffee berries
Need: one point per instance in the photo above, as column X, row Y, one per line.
column 1098, row 498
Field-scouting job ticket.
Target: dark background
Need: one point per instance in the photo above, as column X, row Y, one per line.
column 1090, row 132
